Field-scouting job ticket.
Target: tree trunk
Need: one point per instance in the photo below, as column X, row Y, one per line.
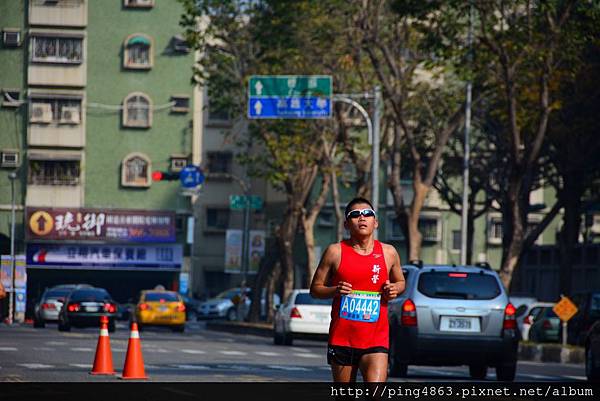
column 416, row 238
column 286, row 244
column 470, row 228
column 512, row 240
column 309, row 240
column 569, row 233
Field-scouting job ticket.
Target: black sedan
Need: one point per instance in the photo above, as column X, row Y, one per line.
column 592, row 353
column 83, row 308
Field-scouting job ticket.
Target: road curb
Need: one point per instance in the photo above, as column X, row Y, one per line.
column 553, row 353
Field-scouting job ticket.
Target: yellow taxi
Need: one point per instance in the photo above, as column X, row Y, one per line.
column 161, row 308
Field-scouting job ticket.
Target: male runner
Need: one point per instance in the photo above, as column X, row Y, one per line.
column 361, row 275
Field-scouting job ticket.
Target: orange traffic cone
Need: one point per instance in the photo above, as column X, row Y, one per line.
column 103, row 363
column 134, row 362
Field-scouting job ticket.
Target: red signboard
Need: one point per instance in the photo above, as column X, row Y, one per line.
column 113, row 225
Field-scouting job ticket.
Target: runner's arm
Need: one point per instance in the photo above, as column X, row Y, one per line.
column 321, row 283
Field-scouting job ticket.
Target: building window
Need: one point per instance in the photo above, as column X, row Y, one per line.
column 137, row 111
column 54, row 172
column 218, row 113
column 137, row 52
column 10, row 158
column 11, row 97
column 219, row 162
column 178, row 162
column 138, row 3
column 217, row 218
column 50, row 49
column 429, row 228
column 393, row 229
column 11, row 37
column 181, row 103
column 179, row 44
column 456, row 240
column 495, row 230
column 46, row 110
column 135, row 170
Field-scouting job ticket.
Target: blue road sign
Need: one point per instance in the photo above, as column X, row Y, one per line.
column 191, row 176
column 289, row 107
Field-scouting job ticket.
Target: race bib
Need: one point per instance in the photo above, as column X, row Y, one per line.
column 362, row 306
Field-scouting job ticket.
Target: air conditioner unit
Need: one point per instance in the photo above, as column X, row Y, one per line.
column 10, row 158
column 41, row 113
column 69, row 115
column 11, row 38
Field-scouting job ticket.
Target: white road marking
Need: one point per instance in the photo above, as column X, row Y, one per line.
column 191, row 367
column 81, row 365
column 233, row 353
column 308, row 355
column 542, row 377
column 576, row 377
column 35, row 365
column 281, row 367
column 44, row 349
column 267, row 353
column 82, row 349
column 119, row 349
column 158, row 350
column 8, row 349
column 56, row 343
column 296, row 349
column 193, row 351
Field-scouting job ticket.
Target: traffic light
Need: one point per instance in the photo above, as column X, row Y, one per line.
column 164, row 176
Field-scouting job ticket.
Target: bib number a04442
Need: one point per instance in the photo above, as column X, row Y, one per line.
column 362, row 306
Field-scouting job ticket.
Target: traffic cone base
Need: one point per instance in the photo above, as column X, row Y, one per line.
column 103, row 363
column 134, row 361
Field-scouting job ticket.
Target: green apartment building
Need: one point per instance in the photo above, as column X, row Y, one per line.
column 96, row 96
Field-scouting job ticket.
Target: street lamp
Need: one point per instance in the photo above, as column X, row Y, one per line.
column 11, row 303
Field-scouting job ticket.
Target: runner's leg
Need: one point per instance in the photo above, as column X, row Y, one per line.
column 344, row 373
column 373, row 367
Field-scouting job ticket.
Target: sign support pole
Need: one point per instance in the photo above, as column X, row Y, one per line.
column 13, row 295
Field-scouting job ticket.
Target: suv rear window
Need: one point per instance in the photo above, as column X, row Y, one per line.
column 306, row 299
column 458, row 285
column 89, row 295
column 158, row 296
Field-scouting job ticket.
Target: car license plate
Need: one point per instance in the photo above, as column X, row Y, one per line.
column 92, row 309
column 163, row 308
column 456, row 323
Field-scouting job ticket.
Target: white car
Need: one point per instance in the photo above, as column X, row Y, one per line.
column 301, row 314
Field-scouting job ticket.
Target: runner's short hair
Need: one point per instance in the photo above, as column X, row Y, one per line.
column 356, row 201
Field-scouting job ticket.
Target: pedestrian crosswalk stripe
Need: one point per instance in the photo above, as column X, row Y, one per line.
column 158, row 350
column 35, row 365
column 296, row 349
column 233, row 353
column 267, row 353
column 193, row 351
column 8, row 349
column 191, row 367
column 44, row 349
column 56, row 343
column 308, row 355
column 81, row 365
column 282, row 367
column 82, row 349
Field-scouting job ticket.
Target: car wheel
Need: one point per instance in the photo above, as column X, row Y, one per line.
column 592, row 370
column 39, row 324
column 179, row 329
column 288, row 338
column 478, row 372
column 506, row 371
column 63, row 326
column 231, row 315
column 277, row 336
column 396, row 369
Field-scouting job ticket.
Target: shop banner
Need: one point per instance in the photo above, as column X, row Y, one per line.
column 257, row 250
column 184, row 282
column 163, row 256
column 233, row 251
column 6, row 272
column 100, row 225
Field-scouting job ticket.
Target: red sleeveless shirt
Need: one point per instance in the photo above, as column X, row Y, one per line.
column 365, row 273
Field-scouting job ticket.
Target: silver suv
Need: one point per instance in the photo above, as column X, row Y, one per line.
column 453, row 315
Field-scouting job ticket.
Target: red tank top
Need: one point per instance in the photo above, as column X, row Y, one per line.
column 366, row 273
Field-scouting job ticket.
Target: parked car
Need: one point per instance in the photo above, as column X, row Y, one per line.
column 528, row 317
column 223, row 306
column 592, row 353
column 546, row 326
column 191, row 307
column 453, row 315
column 161, row 308
column 301, row 314
column 49, row 305
column 588, row 304
column 83, row 308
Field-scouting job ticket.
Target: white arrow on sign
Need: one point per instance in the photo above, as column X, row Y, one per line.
column 258, row 86
column 258, row 107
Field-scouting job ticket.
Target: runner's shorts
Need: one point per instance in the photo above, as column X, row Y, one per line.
column 348, row 356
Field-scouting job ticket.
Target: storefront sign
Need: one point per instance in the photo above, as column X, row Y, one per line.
column 100, row 225
column 163, row 256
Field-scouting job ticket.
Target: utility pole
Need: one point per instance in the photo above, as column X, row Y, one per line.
column 467, row 150
column 12, row 297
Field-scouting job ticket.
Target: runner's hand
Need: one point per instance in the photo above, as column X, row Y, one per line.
column 390, row 290
column 343, row 288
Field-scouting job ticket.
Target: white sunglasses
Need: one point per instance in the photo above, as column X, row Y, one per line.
column 357, row 212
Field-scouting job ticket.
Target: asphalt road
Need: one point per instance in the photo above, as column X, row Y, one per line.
column 200, row 355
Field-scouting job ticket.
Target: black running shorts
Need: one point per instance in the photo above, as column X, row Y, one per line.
column 348, row 356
